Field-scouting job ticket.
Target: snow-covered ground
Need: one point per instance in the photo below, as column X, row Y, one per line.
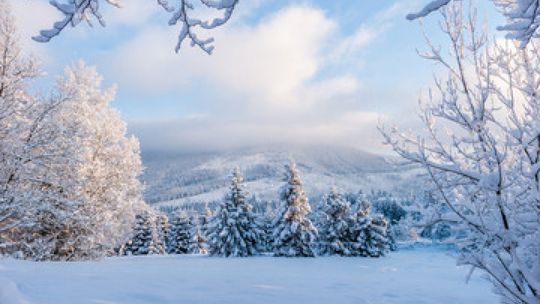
column 421, row 275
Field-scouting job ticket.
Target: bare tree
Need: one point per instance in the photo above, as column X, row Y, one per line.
column 481, row 150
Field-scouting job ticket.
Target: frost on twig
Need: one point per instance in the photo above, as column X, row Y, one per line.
column 76, row 11
column 523, row 17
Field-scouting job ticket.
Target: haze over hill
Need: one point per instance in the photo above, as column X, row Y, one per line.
column 176, row 178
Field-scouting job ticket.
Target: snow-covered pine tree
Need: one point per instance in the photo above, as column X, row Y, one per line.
column 163, row 227
column 359, row 228
column 375, row 242
column 198, row 244
column 182, row 236
column 334, row 230
column 233, row 231
column 204, row 219
column 267, row 220
column 145, row 240
column 294, row 234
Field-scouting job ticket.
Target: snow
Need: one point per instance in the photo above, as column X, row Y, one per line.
column 420, row 275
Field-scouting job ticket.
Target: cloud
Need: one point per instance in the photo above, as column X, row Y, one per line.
column 29, row 23
column 266, row 82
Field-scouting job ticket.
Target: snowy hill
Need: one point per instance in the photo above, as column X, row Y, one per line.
column 173, row 179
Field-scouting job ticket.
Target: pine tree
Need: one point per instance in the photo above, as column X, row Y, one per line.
column 359, row 228
column 204, row 219
column 146, row 238
column 198, row 245
column 181, row 234
column 294, row 234
column 334, row 230
column 233, row 231
column 376, row 242
column 163, row 227
column 369, row 233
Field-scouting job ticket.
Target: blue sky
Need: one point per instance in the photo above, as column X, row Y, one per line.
column 283, row 71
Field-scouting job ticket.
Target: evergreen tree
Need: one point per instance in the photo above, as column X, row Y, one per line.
column 181, row 234
column 369, row 233
column 205, row 219
column 198, row 245
column 233, row 231
column 334, row 228
column 359, row 228
column 146, row 238
column 293, row 234
column 376, row 241
column 267, row 220
column 163, row 227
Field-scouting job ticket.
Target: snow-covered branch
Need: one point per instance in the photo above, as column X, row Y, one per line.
column 481, row 150
column 76, row 11
column 523, row 17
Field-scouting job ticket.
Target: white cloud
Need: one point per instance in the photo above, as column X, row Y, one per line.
column 29, row 23
column 290, row 76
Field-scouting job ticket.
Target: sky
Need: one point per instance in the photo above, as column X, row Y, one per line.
column 283, row 71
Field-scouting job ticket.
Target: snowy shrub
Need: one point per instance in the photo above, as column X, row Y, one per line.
column 294, row 235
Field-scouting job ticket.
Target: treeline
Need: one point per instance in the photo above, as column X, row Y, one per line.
column 234, row 229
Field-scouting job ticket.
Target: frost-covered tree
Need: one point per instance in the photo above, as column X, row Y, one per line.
column 523, row 16
column 182, row 236
column 294, row 235
column 76, row 176
column 390, row 207
column 373, row 240
column 198, row 243
column 368, row 234
column 88, row 187
column 334, row 232
column 182, row 13
column 16, row 115
column 146, row 239
column 481, row 152
column 233, row 230
column 163, row 228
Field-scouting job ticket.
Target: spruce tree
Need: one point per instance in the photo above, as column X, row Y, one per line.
column 370, row 233
column 181, row 235
column 198, row 244
column 358, row 229
column 162, row 225
column 334, row 228
column 376, row 243
column 233, row 230
column 146, row 239
column 294, row 234
column 204, row 220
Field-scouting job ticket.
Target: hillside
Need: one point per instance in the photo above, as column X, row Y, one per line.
column 173, row 179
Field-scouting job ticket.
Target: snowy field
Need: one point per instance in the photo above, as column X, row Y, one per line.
column 424, row 275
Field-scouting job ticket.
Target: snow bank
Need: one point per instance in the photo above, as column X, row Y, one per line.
column 10, row 294
column 416, row 276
